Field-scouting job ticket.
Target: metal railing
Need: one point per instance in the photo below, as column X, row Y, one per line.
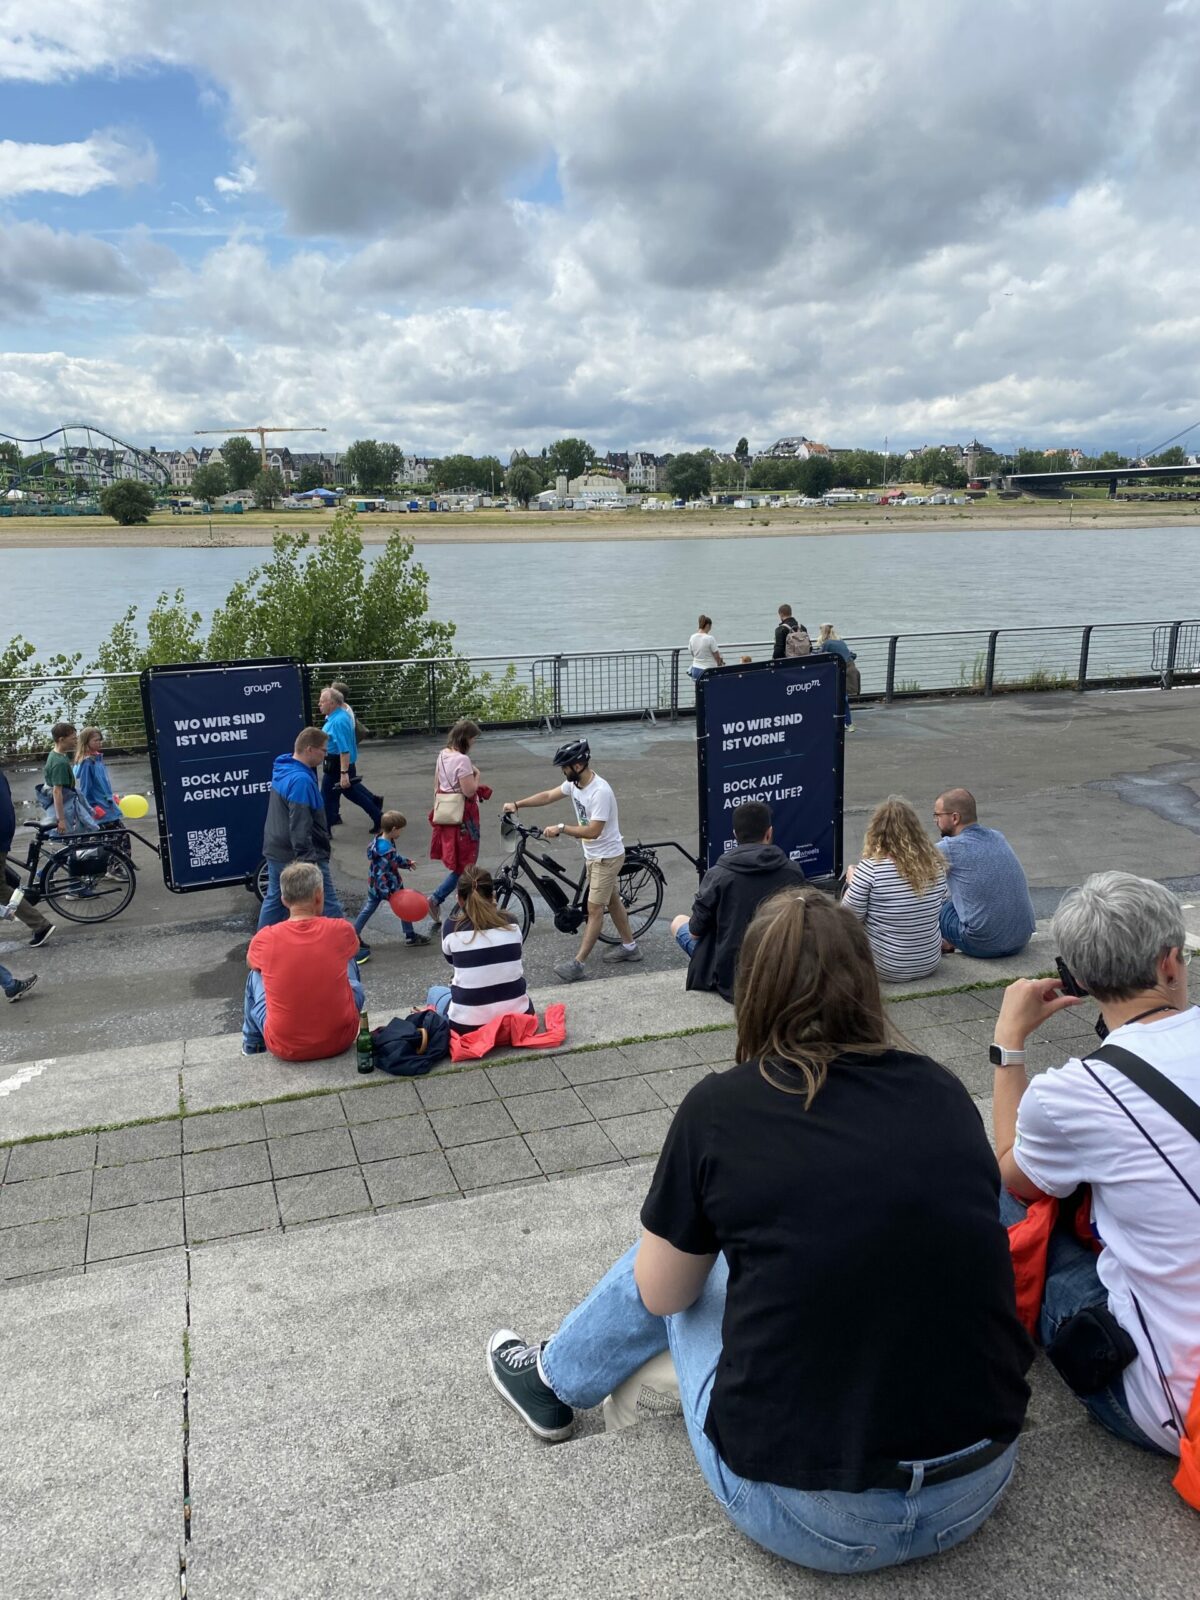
column 424, row 694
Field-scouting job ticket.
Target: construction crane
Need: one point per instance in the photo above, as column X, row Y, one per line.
column 262, row 435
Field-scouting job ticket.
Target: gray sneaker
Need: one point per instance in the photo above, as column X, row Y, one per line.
column 611, row 957
column 570, row 971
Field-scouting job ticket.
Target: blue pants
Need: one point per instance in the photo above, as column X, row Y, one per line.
column 447, row 887
column 333, row 794
column 370, row 906
column 273, row 908
column 1072, row 1283
column 7, row 982
column 686, row 940
column 438, row 996
column 254, row 1009
column 611, row 1334
column 952, row 929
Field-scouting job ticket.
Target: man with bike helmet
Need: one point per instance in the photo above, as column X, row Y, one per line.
column 596, row 827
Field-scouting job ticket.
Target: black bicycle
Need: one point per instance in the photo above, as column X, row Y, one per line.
column 641, row 884
column 84, row 877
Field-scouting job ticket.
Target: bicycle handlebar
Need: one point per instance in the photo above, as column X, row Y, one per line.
column 509, row 825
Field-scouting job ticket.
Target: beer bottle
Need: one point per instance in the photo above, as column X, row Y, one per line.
column 365, row 1048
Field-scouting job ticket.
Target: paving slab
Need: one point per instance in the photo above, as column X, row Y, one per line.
column 250, row 1209
column 91, row 1472
column 394, row 1136
column 43, row 1160
column 153, row 1225
column 311, row 1152
column 226, row 1167
column 39, row 1247
column 68, row 1194
column 218, row 1128
column 158, row 1179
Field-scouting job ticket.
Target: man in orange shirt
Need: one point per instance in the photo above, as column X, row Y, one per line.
column 303, row 994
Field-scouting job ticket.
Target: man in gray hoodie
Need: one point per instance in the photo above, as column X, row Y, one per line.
column 729, row 895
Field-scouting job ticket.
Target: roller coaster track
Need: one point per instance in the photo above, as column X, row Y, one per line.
column 95, row 442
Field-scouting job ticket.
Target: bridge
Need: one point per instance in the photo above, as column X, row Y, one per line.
column 1056, row 482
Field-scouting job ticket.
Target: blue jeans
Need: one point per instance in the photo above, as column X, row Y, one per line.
column 370, row 906
column 8, row 983
column 611, row 1334
column 445, row 889
column 849, row 720
column 273, row 908
column 438, row 996
column 952, row 929
column 333, row 794
column 254, row 1009
column 686, row 940
column 1072, row 1283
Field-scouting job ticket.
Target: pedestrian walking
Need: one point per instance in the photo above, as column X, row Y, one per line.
column 705, row 654
column 296, row 829
column 93, row 781
column 33, row 919
column 458, row 789
column 833, row 645
column 341, row 758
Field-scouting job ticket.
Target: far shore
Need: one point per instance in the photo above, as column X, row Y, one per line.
column 517, row 527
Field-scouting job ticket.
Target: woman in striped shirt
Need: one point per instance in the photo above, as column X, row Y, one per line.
column 896, row 892
column 483, row 945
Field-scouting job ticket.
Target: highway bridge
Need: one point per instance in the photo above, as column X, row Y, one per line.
column 1056, row 482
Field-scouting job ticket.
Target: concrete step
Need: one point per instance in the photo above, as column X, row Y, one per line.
column 344, row 1440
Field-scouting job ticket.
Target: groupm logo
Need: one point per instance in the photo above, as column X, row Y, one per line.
column 261, row 688
column 803, row 686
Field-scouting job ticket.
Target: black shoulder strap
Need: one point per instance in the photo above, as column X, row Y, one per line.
column 1152, row 1082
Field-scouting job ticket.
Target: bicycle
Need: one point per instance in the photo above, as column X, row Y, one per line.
column 88, row 877
column 641, row 884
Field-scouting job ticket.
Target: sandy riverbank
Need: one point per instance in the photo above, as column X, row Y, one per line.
column 486, row 527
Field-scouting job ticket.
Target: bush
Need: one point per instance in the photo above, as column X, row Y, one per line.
column 127, row 501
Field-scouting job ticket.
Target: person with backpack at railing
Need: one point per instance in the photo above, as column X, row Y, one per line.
column 1119, row 1311
column 791, row 637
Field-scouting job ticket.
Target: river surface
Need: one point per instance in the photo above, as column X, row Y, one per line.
column 520, row 599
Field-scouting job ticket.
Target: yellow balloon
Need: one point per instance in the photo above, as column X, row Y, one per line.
column 133, row 806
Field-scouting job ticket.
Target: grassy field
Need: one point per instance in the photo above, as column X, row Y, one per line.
column 256, row 528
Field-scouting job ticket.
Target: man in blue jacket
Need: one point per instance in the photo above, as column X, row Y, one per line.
column 341, row 757
column 296, row 828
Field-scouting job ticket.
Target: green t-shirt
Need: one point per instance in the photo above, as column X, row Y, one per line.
column 58, row 772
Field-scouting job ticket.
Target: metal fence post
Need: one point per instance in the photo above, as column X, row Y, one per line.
column 889, row 688
column 675, row 654
column 432, row 675
column 989, row 666
column 558, row 706
column 1172, row 643
column 1085, row 645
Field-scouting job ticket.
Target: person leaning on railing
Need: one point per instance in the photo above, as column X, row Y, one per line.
column 1136, row 1305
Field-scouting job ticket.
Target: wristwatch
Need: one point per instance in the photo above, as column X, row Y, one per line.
column 1000, row 1057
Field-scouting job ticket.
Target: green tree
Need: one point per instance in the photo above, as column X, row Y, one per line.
column 365, row 463
column 571, row 457
column 523, row 481
column 690, row 475
column 455, row 472
column 939, row 467
column 815, row 476
column 1176, row 456
column 391, row 464
column 268, row 487
column 775, row 472
column 210, row 482
column 312, row 476
column 241, row 461
column 741, row 452
column 10, row 460
column 127, row 501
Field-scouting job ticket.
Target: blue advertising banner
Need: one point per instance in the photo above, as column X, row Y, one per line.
column 773, row 731
column 215, row 730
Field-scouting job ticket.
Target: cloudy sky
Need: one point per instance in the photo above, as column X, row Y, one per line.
column 478, row 224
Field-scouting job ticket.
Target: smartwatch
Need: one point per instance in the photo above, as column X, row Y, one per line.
column 1000, row 1057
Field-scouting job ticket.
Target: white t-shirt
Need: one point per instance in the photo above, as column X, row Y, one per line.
column 704, row 650
column 1069, row 1131
column 597, row 803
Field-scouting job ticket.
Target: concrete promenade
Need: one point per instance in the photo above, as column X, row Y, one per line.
column 243, row 1304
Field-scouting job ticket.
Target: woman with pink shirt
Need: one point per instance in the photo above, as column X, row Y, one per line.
column 458, row 790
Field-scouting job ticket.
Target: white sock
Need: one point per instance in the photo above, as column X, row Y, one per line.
column 632, row 946
column 541, row 1372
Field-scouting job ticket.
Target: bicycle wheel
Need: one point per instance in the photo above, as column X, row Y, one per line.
column 641, row 886
column 260, row 880
column 88, row 896
column 512, row 897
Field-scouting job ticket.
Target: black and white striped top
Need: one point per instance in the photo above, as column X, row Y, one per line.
column 489, row 979
column 903, row 927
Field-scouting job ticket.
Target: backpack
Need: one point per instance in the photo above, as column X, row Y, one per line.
column 797, row 643
column 407, row 1047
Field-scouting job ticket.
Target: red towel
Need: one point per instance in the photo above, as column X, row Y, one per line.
column 516, row 1028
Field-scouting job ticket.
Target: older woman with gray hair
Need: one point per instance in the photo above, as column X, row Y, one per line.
column 1121, row 1326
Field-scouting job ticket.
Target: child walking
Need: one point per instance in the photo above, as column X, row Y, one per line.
column 383, row 864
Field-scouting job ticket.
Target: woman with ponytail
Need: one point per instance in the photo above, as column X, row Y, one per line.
column 822, row 1257
column 483, row 945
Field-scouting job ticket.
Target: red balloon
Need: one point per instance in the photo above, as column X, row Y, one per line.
column 408, row 905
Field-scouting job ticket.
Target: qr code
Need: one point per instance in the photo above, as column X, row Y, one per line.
column 208, row 847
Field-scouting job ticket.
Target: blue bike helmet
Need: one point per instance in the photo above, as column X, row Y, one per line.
column 573, row 752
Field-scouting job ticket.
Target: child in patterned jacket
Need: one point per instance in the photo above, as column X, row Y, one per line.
column 383, row 864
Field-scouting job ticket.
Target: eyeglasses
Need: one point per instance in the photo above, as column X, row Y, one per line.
column 1185, row 955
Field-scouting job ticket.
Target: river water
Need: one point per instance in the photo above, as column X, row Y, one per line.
column 591, row 595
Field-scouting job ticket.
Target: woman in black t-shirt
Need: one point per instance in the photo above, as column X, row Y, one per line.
column 823, row 1258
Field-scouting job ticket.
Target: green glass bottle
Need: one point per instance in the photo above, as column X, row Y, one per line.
column 365, row 1047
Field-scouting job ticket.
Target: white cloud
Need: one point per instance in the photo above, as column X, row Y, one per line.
column 206, row 206
column 846, row 221
column 102, row 159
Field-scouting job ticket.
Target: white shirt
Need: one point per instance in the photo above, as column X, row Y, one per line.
column 597, row 803
column 1069, row 1131
column 704, row 650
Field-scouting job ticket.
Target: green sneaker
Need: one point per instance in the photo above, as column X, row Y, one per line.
column 512, row 1367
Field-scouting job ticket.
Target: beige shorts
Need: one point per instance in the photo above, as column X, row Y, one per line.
column 602, row 879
